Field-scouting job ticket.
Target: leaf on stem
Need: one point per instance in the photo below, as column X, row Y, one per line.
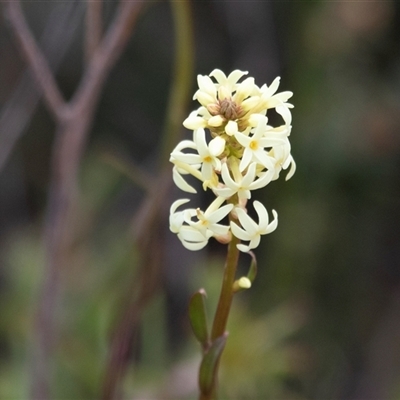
column 209, row 364
column 198, row 318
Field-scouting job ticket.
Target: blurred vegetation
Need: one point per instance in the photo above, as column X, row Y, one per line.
column 322, row 319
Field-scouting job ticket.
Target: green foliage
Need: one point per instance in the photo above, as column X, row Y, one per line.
column 198, row 318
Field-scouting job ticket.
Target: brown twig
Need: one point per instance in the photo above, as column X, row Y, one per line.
column 106, row 54
column 36, row 60
column 94, row 27
column 73, row 121
column 20, row 106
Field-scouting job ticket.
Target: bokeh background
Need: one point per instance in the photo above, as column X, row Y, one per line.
column 322, row 320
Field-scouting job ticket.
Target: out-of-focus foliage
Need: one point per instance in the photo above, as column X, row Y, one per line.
column 321, row 320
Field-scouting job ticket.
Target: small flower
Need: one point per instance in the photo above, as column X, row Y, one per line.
column 229, row 106
column 176, row 219
column 242, row 184
column 207, row 156
column 271, row 99
column 254, row 146
column 205, row 159
column 190, row 237
column 224, row 103
column 208, row 220
column 283, row 159
column 250, row 231
column 180, row 169
column 195, row 234
column 209, row 153
column 193, row 239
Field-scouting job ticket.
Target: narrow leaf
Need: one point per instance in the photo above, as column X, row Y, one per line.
column 209, row 364
column 198, row 317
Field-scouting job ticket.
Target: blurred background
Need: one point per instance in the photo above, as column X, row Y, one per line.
column 322, row 320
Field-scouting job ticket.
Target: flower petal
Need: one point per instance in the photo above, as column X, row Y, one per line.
column 243, row 248
column 246, row 159
column 244, row 90
column 191, row 234
column 226, row 176
column 247, row 223
column 193, row 121
column 262, row 215
column 263, row 180
column 249, row 176
column 274, row 224
column 231, row 128
column 234, row 76
column 206, row 85
column 181, row 183
column 199, row 137
column 216, row 146
column 221, row 213
column 239, row 232
column 176, row 204
column 216, row 121
column 194, row 246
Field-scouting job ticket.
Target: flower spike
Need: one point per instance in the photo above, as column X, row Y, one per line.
column 234, row 151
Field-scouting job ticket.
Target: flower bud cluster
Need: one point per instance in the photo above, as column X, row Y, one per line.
column 234, row 151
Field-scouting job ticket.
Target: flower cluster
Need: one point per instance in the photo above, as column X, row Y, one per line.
column 233, row 152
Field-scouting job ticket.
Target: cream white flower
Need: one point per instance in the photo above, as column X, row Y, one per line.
column 194, row 235
column 233, row 152
column 229, row 105
column 196, row 119
column 271, row 99
column 206, row 156
column 180, row 169
column 242, row 184
column 254, row 145
column 176, row 218
column 192, row 238
column 208, row 220
column 183, row 167
column 210, row 92
column 250, row 230
column 283, row 159
column 224, row 102
column 209, row 153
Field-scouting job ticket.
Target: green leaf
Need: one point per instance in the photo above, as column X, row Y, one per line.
column 198, row 317
column 209, row 364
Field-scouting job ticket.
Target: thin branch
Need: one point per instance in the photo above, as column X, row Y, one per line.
column 94, row 27
column 73, row 122
column 20, row 106
column 107, row 53
column 35, row 58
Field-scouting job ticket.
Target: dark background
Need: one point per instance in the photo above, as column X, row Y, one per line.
column 322, row 320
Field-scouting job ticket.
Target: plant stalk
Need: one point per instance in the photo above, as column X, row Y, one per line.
column 226, row 295
column 224, row 305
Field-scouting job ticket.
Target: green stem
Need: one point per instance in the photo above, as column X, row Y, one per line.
column 224, row 304
column 226, row 296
